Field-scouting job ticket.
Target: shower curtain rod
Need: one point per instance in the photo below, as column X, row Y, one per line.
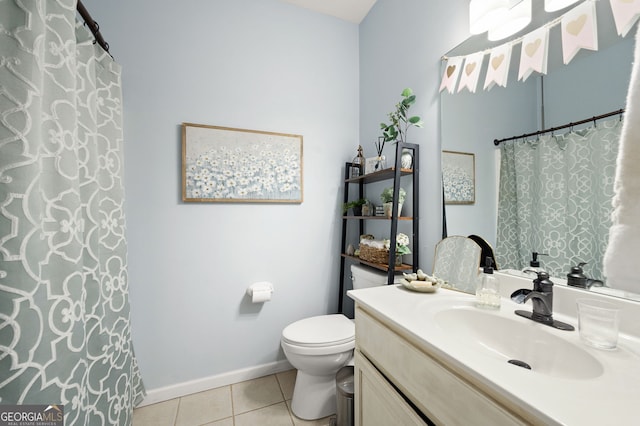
column 497, row 142
column 93, row 26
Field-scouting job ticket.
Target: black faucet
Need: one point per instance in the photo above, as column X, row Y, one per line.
column 577, row 278
column 542, row 300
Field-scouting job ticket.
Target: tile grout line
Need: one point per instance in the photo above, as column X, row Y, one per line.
column 175, row 417
column 233, row 408
column 284, row 399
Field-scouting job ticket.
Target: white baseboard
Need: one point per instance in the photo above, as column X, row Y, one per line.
column 199, row 385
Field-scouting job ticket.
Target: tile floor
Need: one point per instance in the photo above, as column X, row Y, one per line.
column 265, row 401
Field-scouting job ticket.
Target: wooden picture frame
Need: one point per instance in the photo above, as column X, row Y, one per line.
column 370, row 164
column 224, row 164
column 459, row 177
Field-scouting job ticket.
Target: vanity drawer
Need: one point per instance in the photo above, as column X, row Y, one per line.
column 377, row 402
column 440, row 394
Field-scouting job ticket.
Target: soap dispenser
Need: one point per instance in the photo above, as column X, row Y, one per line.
column 488, row 289
column 534, row 264
column 577, row 278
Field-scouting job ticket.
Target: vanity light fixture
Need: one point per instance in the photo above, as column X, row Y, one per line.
column 485, row 14
column 553, row 5
column 516, row 18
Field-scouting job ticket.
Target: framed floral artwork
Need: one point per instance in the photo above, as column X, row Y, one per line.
column 458, row 175
column 223, row 164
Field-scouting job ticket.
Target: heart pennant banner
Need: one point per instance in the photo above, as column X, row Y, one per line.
column 451, row 72
column 578, row 31
column 471, row 72
column 625, row 13
column 498, row 68
column 533, row 57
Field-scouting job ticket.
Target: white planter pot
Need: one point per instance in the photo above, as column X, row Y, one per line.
column 388, row 209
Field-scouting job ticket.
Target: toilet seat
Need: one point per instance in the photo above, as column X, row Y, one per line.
column 320, row 334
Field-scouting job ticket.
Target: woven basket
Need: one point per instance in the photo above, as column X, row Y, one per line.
column 372, row 254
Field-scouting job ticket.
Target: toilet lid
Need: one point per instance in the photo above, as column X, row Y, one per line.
column 324, row 330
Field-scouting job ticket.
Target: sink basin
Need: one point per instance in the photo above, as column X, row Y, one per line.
column 522, row 343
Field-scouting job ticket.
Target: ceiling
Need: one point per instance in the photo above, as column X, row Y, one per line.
column 348, row 10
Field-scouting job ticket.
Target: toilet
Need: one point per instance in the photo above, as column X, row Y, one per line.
column 320, row 346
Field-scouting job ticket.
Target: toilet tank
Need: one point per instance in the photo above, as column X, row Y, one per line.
column 364, row 277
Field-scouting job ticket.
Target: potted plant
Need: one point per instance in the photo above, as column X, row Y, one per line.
column 399, row 120
column 355, row 206
column 387, row 200
column 402, row 247
column 399, row 123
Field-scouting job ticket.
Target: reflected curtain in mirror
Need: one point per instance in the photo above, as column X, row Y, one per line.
column 555, row 198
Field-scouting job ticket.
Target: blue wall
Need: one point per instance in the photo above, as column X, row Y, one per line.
column 252, row 64
column 592, row 84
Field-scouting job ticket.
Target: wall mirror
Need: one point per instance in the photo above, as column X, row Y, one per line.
column 593, row 83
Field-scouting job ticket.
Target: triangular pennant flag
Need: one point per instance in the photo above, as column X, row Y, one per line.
column 470, row 72
column 498, row 68
column 451, row 72
column 535, row 49
column 625, row 13
column 579, row 30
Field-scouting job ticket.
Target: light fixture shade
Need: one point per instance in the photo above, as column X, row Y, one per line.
column 553, row 5
column 484, row 14
column 518, row 17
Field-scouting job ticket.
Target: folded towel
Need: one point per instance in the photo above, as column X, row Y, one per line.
column 372, row 243
column 623, row 252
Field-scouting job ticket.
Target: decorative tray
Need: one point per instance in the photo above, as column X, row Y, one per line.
column 421, row 286
column 419, row 281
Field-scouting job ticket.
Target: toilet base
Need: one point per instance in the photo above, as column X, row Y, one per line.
column 314, row 397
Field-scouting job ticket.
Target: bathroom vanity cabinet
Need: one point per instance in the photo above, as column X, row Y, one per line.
column 436, row 357
column 394, row 176
column 399, row 382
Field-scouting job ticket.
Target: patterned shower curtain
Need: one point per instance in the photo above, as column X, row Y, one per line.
column 555, row 198
column 65, row 335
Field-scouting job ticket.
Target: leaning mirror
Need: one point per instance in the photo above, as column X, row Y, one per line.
column 456, row 261
column 591, row 84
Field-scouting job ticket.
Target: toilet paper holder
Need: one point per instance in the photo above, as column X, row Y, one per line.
column 260, row 292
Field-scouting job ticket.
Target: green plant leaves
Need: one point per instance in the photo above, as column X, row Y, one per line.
column 409, row 101
column 407, row 92
column 399, row 123
column 415, row 120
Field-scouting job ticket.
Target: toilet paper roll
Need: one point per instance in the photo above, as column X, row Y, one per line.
column 260, row 292
column 260, row 296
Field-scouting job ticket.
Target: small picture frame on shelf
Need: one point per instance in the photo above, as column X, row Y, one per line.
column 374, row 164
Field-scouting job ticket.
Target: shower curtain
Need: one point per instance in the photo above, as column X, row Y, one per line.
column 65, row 335
column 555, row 198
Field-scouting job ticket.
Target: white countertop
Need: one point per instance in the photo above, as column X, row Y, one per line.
column 609, row 398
